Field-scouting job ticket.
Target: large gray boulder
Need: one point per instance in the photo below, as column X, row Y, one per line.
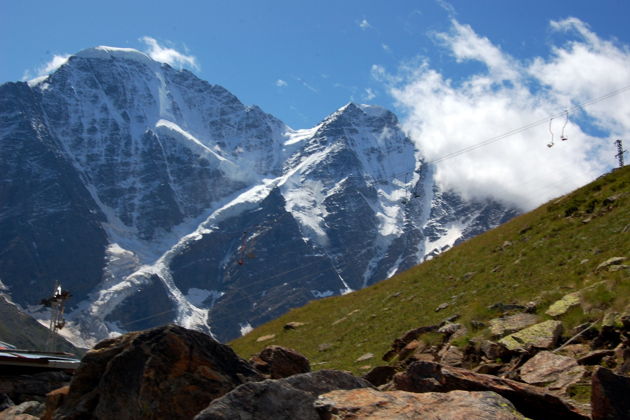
column 289, row 398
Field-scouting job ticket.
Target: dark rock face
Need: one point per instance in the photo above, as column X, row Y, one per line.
column 166, row 372
column 610, row 395
column 289, row 398
column 280, row 362
column 50, row 226
column 529, row 400
column 454, row 405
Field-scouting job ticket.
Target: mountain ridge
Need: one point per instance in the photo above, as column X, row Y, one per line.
column 165, row 177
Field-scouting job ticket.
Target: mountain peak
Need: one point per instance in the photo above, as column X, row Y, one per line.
column 104, row 53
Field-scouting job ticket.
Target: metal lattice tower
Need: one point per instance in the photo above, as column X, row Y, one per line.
column 620, row 152
column 56, row 303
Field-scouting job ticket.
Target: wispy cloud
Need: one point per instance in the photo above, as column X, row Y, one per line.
column 446, row 6
column 364, row 24
column 386, row 48
column 444, row 116
column 55, row 62
column 167, row 55
column 369, row 94
column 281, row 83
column 306, row 84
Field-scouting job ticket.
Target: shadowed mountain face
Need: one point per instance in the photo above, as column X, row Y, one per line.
column 154, row 196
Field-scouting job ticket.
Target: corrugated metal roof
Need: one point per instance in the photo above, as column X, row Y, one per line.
column 15, row 357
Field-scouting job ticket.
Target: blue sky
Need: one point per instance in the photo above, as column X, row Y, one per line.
column 451, row 70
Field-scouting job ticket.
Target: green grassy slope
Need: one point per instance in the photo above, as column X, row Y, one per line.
column 539, row 256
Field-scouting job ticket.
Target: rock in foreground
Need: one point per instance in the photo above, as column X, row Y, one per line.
column 289, row 398
column 165, row 372
column 369, row 404
column 529, row 400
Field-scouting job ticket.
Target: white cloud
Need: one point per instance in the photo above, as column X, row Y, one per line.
column 55, row 62
column 364, row 24
column 281, row 83
column 465, row 44
column 444, row 116
column 167, row 55
column 369, row 94
column 386, row 48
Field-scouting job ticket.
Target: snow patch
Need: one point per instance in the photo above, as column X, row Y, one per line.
column 245, row 328
column 319, row 295
column 447, row 240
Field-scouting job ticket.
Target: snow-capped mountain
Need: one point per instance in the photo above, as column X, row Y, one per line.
column 154, row 196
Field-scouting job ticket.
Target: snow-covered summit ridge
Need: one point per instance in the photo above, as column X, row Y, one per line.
column 106, row 53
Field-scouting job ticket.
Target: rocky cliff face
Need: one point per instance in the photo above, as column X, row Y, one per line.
column 154, row 196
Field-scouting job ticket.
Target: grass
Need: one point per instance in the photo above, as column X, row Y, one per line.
column 539, row 256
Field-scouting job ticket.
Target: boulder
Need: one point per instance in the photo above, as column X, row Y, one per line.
column 493, row 350
column 54, row 400
column 279, row 362
column 293, row 325
column 595, row 357
column 512, row 323
column 545, row 367
column 364, row 357
column 404, row 340
column 610, row 262
column 609, row 396
column 265, row 338
column 6, row 402
column 33, row 386
column 544, row 335
column 507, row 307
column 288, row 398
column 455, row 405
column 451, row 356
column 164, row 372
column 529, row 400
column 560, row 307
column 622, row 356
column 26, row 411
column 553, row 371
column 380, row 375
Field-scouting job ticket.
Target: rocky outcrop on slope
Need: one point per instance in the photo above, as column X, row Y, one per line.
column 277, row 362
column 166, row 372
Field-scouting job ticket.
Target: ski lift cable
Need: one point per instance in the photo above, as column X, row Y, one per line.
column 564, row 113
column 530, row 125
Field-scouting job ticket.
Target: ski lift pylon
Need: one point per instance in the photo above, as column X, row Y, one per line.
column 566, row 121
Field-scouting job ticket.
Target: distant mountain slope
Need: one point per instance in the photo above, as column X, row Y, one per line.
column 24, row 332
column 561, row 247
column 154, row 196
